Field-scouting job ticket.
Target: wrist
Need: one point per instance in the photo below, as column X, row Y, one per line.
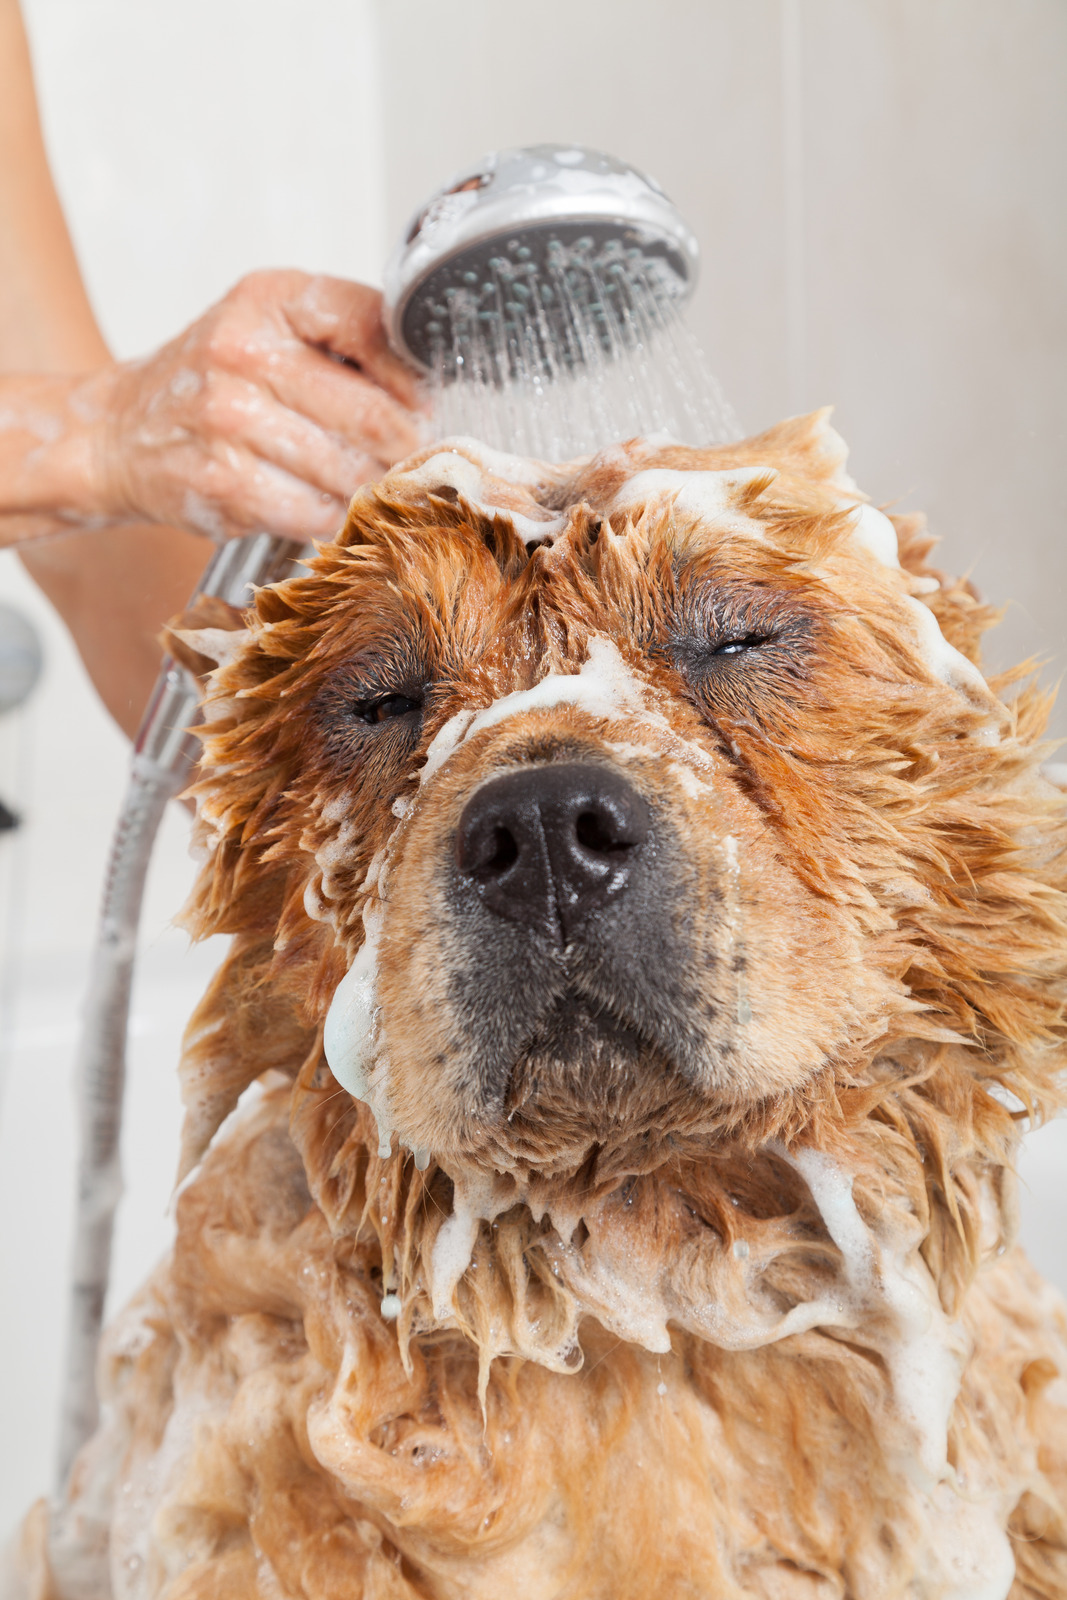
column 53, row 453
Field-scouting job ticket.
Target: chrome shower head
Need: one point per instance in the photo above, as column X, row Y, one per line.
column 506, row 229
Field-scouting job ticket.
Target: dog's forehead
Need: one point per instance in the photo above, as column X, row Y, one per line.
column 440, row 512
column 539, row 500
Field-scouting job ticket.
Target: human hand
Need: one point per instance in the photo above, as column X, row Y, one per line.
column 266, row 414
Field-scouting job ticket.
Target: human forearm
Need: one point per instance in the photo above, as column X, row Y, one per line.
column 113, row 587
column 50, row 480
column 46, row 321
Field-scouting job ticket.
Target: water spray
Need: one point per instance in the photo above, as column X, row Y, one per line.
column 540, row 294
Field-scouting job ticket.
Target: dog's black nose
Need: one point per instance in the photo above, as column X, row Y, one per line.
column 547, row 845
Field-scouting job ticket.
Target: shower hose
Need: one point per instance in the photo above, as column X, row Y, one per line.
column 164, row 754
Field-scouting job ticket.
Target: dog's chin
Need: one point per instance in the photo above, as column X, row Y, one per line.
column 591, row 1095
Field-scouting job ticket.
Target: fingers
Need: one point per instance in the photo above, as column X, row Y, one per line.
column 247, row 421
column 274, row 501
column 344, row 402
column 325, row 460
column 238, row 492
column 347, row 319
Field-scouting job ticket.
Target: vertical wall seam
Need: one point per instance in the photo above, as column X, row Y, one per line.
column 793, row 220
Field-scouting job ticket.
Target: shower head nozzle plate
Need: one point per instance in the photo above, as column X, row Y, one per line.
column 527, row 223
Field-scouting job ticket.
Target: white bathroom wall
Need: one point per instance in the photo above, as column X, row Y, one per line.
column 879, row 189
column 195, row 141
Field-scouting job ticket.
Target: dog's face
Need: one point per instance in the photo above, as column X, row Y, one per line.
column 611, row 813
column 601, row 780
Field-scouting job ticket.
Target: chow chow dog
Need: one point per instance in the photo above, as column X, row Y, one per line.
column 647, row 939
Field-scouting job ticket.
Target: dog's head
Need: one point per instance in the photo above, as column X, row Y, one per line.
column 623, row 825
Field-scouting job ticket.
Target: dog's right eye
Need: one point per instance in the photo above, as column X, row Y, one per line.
column 384, row 708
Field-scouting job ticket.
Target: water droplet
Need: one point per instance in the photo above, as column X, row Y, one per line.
column 391, row 1307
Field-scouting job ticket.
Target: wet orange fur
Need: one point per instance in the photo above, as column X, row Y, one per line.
column 520, row 1445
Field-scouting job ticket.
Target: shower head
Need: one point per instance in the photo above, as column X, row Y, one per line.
column 513, row 225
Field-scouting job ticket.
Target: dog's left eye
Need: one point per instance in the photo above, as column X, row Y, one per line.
column 384, row 708
column 734, row 647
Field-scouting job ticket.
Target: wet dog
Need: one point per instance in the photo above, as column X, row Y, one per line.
column 647, row 935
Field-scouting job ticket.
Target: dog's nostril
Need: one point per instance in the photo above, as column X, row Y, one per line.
column 599, row 834
column 505, row 852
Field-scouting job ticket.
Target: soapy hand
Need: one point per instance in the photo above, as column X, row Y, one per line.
column 266, row 414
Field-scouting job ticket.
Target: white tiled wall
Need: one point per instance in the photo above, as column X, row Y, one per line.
column 879, row 187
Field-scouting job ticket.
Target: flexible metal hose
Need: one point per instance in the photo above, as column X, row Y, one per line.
column 164, row 755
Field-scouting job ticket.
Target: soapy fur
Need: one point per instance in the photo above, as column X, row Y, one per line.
column 701, row 1282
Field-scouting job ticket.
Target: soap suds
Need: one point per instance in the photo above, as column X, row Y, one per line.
column 706, row 495
column 522, row 470
column 443, row 743
column 944, row 662
column 873, row 530
column 449, row 468
column 477, row 1198
column 350, row 1039
column 897, row 1312
column 602, row 687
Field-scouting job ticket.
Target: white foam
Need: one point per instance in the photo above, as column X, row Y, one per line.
column 975, row 1561
column 523, row 470
column 447, row 469
column 451, row 468
column 950, row 667
column 541, row 530
column 477, row 1198
column 873, row 530
column 896, row 1311
column 352, row 1042
column 350, row 1038
column 603, row 687
column 443, row 743
column 711, row 496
